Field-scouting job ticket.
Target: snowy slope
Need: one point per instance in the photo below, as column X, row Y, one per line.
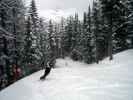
column 78, row 81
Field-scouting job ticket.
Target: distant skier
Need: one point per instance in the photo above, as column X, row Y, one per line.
column 50, row 64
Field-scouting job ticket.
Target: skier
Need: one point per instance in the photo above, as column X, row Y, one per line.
column 50, row 64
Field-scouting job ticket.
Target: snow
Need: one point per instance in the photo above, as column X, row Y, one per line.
column 72, row 80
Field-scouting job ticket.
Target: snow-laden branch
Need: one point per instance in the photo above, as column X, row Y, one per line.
column 6, row 33
column 130, row 15
column 3, row 4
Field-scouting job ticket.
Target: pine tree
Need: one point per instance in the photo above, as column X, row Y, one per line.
column 88, row 38
column 68, row 36
column 43, row 42
column 114, row 14
column 34, row 21
column 119, row 26
column 89, row 20
column 35, row 30
column 83, row 37
column 75, row 31
column 11, row 16
column 4, row 52
column 56, row 37
column 80, row 41
column 34, row 17
column 76, row 53
column 62, row 32
column 108, row 11
column 52, row 42
column 96, row 29
column 130, row 22
column 28, row 50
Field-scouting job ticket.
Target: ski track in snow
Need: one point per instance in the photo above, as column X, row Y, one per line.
column 78, row 81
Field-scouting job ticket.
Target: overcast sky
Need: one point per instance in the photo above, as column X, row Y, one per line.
column 54, row 9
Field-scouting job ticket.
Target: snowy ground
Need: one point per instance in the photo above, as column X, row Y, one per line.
column 78, row 81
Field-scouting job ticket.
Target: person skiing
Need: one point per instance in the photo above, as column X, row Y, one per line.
column 50, row 64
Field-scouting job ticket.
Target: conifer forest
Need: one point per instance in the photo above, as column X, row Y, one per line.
column 28, row 41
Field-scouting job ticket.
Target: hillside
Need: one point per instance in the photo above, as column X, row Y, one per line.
column 78, row 81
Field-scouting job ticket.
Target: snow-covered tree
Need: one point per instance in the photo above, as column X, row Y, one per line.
column 12, row 28
column 96, row 29
column 120, row 26
column 34, row 17
column 130, row 21
column 88, row 38
column 68, row 36
column 34, row 29
column 51, row 42
column 28, row 48
column 43, row 41
column 61, row 38
column 108, row 13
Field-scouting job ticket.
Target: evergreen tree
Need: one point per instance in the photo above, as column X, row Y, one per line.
column 29, row 52
column 62, row 32
column 89, row 55
column 75, row 31
column 89, row 20
column 43, row 41
column 35, row 30
column 96, row 29
column 4, row 54
column 68, row 36
column 11, row 15
column 114, row 14
column 51, row 41
column 108, row 11
column 18, row 30
column 28, row 48
column 34, row 17
column 130, row 21
column 119, row 26
column 83, row 37
column 76, row 53
column 56, row 37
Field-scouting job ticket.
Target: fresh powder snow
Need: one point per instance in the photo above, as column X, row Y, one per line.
column 70, row 80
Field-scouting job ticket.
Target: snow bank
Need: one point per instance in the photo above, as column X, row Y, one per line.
column 110, row 80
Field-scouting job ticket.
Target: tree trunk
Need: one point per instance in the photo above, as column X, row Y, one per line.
column 110, row 45
column 97, row 56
